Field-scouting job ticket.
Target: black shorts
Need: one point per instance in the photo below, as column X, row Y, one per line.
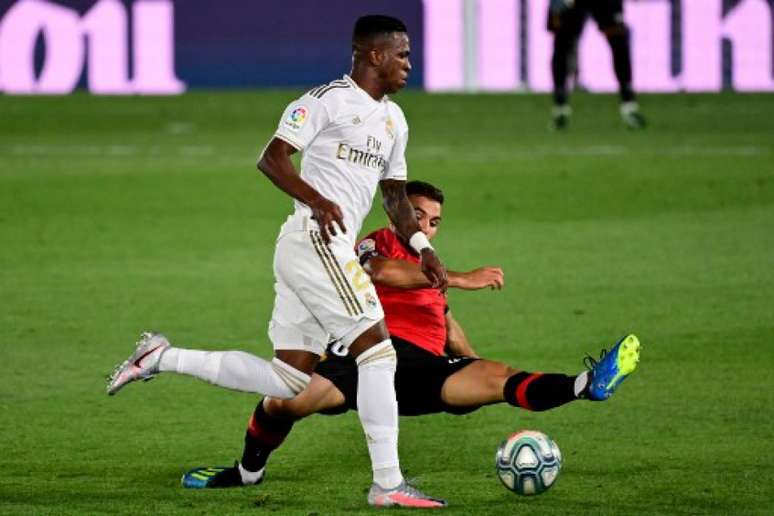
column 607, row 13
column 419, row 377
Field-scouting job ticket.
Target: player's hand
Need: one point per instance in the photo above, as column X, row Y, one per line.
column 328, row 215
column 477, row 279
column 434, row 270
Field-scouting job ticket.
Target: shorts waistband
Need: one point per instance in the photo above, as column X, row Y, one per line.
column 298, row 222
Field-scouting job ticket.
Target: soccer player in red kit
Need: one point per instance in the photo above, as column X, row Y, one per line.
column 438, row 370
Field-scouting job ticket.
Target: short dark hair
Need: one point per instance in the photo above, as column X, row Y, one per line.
column 375, row 24
column 425, row 190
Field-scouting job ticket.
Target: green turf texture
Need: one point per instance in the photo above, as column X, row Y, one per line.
column 121, row 214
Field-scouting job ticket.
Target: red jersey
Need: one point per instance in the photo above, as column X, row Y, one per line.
column 415, row 315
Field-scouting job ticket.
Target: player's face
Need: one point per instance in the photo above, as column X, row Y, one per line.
column 428, row 214
column 395, row 67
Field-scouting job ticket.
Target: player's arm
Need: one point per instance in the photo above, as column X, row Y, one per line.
column 483, row 277
column 404, row 218
column 275, row 163
column 396, row 273
column 457, row 344
column 301, row 122
column 407, row 275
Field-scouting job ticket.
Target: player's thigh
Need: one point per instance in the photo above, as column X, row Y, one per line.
column 479, row 383
column 342, row 372
column 608, row 15
column 320, row 395
column 297, row 336
column 568, row 22
column 420, row 376
column 330, row 282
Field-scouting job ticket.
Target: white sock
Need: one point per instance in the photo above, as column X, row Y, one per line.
column 378, row 411
column 250, row 477
column 627, row 108
column 561, row 109
column 236, row 370
column 581, row 382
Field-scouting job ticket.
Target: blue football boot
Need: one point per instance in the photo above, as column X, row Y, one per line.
column 612, row 368
column 215, row 477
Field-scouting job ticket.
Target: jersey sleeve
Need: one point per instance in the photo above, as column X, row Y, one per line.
column 396, row 168
column 366, row 249
column 386, row 243
column 301, row 121
column 377, row 243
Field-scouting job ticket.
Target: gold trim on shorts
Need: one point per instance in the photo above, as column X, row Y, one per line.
column 336, row 275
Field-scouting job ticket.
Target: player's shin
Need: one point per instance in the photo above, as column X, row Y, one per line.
column 378, row 411
column 265, row 433
column 236, row 370
column 539, row 391
column 620, row 48
column 560, row 66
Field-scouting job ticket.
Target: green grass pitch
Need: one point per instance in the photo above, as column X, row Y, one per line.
column 121, row 214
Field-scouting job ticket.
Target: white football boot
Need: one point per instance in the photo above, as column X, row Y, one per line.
column 143, row 364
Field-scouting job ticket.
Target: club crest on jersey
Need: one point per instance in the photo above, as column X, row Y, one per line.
column 296, row 118
column 390, row 128
column 370, row 300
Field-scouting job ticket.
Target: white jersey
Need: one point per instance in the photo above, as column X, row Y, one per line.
column 350, row 142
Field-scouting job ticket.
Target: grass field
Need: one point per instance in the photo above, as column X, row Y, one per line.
column 120, row 214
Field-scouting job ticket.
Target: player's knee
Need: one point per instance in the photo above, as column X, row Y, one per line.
column 563, row 45
column 284, row 409
column 276, row 408
column 382, row 354
column 273, row 407
column 294, row 380
column 617, row 29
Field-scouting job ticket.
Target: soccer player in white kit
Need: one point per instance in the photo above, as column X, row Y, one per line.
column 353, row 138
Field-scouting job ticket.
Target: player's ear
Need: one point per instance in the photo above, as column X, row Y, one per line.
column 376, row 56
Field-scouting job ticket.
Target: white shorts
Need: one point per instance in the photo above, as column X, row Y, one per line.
column 322, row 292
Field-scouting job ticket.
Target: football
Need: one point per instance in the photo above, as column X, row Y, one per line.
column 528, row 462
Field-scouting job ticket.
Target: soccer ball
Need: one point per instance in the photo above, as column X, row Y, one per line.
column 528, row 462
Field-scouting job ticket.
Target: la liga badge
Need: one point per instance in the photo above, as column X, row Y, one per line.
column 297, row 117
column 366, row 246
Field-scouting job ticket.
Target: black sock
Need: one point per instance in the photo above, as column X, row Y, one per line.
column 622, row 64
column 538, row 391
column 264, row 435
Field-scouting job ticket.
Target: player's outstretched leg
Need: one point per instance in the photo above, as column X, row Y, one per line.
column 235, row 370
column 612, row 368
column 538, row 392
column 143, row 364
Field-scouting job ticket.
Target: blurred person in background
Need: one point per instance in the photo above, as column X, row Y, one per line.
column 566, row 19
